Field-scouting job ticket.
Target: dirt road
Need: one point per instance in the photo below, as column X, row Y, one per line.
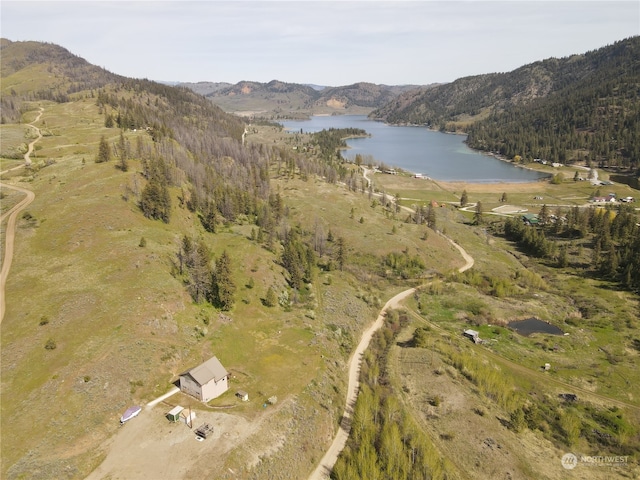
column 10, row 231
column 323, row 470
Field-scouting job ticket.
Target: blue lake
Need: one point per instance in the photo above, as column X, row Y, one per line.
column 438, row 155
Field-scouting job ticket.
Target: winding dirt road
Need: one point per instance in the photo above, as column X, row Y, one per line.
column 12, row 214
column 323, row 470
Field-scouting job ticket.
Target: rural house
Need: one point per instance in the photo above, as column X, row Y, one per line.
column 205, row 382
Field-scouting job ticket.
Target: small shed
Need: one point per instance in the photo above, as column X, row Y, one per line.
column 174, row 414
column 473, row 335
column 242, row 395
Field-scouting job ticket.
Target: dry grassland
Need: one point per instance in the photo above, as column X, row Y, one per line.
column 124, row 327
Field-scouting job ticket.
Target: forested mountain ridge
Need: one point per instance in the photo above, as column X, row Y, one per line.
column 580, row 108
column 281, row 99
column 191, row 138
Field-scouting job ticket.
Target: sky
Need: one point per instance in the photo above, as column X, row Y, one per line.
column 331, row 43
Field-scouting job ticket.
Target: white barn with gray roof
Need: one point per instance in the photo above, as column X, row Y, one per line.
column 205, row 382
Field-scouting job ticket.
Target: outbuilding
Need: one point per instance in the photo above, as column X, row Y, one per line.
column 530, row 219
column 206, row 381
column 242, row 395
column 473, row 335
column 174, row 414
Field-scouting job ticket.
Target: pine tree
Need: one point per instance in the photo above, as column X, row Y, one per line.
column 196, row 260
column 123, row 153
column 223, row 286
column 271, row 299
column 341, row 253
column 209, row 217
column 543, row 215
column 104, row 151
column 464, row 199
column 431, row 217
column 155, row 200
column 563, row 257
column 477, row 216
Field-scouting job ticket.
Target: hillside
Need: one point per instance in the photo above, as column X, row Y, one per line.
column 140, row 190
column 164, row 231
column 582, row 108
column 204, row 88
column 278, row 99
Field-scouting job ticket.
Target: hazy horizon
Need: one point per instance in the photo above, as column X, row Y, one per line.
column 323, row 43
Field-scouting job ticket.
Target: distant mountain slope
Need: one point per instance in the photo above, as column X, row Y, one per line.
column 360, row 94
column 276, row 98
column 580, row 108
column 204, row 88
column 43, row 71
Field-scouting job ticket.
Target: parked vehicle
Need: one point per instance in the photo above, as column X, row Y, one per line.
column 130, row 413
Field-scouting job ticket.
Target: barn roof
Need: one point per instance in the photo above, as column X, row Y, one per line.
column 212, row 369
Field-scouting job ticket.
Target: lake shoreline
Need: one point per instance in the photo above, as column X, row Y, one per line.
column 422, row 150
column 497, row 156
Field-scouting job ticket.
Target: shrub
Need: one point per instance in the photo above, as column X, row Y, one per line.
column 51, row 344
column 517, row 420
column 480, row 411
column 271, row 298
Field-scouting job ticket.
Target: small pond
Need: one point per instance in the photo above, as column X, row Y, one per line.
column 534, row 325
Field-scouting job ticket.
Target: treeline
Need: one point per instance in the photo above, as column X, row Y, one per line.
column 403, row 265
column 302, row 252
column 580, row 108
column 331, row 141
column 205, row 281
column 195, row 141
column 321, row 157
column 594, row 123
column 198, row 144
column 614, row 239
column 385, row 441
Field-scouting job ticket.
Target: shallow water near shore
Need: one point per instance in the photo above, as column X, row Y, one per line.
column 437, row 155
